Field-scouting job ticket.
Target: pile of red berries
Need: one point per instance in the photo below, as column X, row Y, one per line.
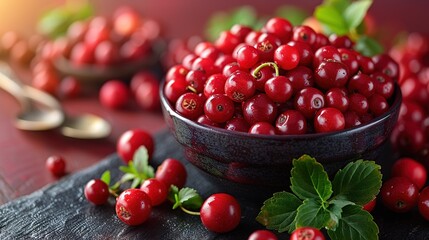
column 411, row 134
column 280, row 80
column 219, row 213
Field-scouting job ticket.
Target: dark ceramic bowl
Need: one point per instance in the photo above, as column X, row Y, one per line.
column 244, row 161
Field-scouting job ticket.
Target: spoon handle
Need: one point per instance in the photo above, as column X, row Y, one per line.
column 12, row 87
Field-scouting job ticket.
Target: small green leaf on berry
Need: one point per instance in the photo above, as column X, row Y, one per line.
column 188, row 198
column 105, row 177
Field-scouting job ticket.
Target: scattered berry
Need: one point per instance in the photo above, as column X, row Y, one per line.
column 220, row 213
column 56, row 165
column 133, row 207
column 96, row 191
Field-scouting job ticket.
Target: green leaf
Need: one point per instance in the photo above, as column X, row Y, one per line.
column 309, row 179
column 141, row 159
column 279, row 212
column 358, row 182
column 335, row 209
column 136, row 182
column 312, row 213
column 368, row 46
column 127, row 177
column 340, row 5
column 105, row 177
column 355, row 224
column 331, row 18
column 245, row 15
column 190, row 199
column 55, row 22
column 355, row 13
column 125, row 169
column 140, row 164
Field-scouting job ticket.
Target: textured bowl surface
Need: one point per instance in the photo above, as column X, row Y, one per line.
column 262, row 160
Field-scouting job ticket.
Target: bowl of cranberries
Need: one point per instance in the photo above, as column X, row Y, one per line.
column 107, row 47
column 247, row 104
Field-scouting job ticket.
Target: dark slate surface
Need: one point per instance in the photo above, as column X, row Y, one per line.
column 60, row 211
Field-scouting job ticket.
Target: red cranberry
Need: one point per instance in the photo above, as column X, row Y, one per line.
column 190, row 105
column 308, row 101
column 259, row 108
column 291, row 122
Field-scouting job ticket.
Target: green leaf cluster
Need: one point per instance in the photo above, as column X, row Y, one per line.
column 137, row 170
column 185, row 198
column 346, row 17
column 317, row 202
column 55, row 22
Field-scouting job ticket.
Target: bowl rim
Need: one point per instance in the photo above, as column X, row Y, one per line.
column 396, row 100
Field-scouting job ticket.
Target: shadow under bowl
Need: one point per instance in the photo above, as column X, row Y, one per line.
column 243, row 163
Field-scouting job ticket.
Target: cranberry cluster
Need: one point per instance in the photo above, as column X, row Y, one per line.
column 411, row 134
column 280, row 80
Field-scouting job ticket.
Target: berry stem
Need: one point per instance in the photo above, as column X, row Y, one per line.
column 266, row 64
column 189, row 211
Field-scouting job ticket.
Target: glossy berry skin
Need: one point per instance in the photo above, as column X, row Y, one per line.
column 279, row 89
column 133, row 207
column 131, row 140
column 262, row 128
column 280, row 27
column 330, row 74
column 329, row 120
column 326, row 53
column 215, row 84
column 307, row 233
column 411, row 169
column 262, row 235
column 337, row 98
column 361, row 83
column 156, row 190
column 238, row 124
column 291, row 122
column 219, row 108
column 399, row 194
column 247, row 56
column 114, row 94
column 358, row 103
column 304, row 34
column 349, row 58
column 377, row 105
column 240, row 86
column 259, row 108
column 174, row 88
column 56, row 165
column 171, row 172
column 96, row 191
column 383, row 84
column 308, row 101
column 286, row 57
column 220, row 213
column 306, row 54
column 190, row 105
column 423, row 203
column 300, row 77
